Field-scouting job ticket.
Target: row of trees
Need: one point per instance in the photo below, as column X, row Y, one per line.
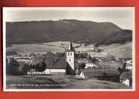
column 39, row 63
column 16, row 68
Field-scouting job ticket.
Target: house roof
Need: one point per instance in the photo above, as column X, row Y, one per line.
column 126, row 75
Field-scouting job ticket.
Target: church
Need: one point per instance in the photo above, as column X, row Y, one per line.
column 72, row 68
column 70, row 59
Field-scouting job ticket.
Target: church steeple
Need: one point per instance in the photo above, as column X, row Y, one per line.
column 70, row 54
column 71, row 48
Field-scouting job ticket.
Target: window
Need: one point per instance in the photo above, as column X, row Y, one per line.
column 68, row 54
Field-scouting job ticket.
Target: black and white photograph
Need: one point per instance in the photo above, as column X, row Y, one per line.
column 68, row 49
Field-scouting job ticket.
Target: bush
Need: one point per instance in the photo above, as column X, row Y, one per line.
column 25, row 69
column 81, row 65
column 17, row 68
column 40, row 67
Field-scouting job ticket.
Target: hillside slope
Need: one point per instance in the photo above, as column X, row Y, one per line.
column 119, row 50
column 66, row 30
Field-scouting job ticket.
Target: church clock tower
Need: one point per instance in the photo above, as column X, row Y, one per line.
column 70, row 54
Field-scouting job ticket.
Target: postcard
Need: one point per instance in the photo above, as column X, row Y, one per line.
column 69, row 49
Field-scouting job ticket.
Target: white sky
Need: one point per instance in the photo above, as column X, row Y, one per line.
column 122, row 16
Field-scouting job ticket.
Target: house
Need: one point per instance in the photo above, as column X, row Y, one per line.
column 90, row 65
column 126, row 78
column 81, row 76
column 128, row 65
column 23, row 59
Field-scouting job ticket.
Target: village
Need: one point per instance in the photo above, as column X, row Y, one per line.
column 75, row 62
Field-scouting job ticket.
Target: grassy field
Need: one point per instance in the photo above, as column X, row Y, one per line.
column 58, row 81
column 117, row 50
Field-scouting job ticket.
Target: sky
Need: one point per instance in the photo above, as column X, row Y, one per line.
column 121, row 16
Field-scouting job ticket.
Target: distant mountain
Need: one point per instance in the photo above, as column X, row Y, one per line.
column 66, row 30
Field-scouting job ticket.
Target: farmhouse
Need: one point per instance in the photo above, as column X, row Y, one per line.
column 126, row 78
column 128, row 65
column 23, row 59
column 90, row 65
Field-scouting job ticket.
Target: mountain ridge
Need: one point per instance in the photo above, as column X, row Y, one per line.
column 66, row 30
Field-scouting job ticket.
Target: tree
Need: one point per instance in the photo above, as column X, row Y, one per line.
column 93, row 59
column 50, row 59
column 81, row 65
column 25, row 68
column 40, row 66
column 13, row 67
